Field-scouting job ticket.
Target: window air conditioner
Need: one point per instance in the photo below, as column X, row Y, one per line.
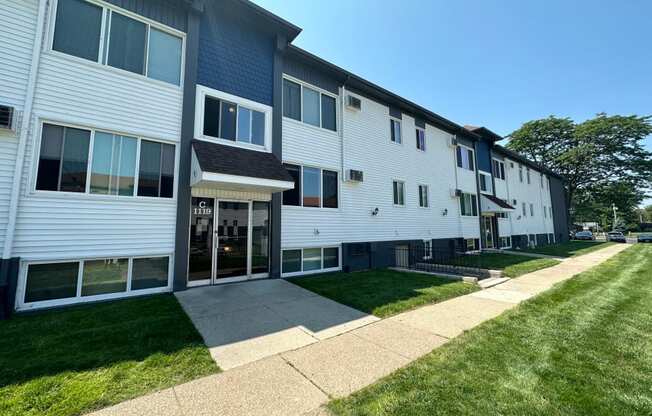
column 7, row 119
column 355, row 175
column 354, row 103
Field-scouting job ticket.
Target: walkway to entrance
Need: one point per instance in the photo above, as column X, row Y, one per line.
column 244, row 322
column 300, row 381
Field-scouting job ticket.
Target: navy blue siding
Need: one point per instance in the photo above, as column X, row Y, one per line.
column 484, row 155
column 559, row 209
column 169, row 13
column 311, row 75
column 235, row 57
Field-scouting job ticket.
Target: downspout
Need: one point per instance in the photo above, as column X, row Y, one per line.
column 24, row 128
column 457, row 186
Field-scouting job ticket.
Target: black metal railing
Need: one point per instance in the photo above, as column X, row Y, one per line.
column 430, row 259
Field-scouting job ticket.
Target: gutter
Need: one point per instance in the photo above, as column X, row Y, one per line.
column 24, row 128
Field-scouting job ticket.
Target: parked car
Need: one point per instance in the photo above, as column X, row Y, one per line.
column 644, row 238
column 584, row 235
column 616, row 236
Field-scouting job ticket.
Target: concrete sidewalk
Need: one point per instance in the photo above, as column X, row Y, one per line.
column 299, row 382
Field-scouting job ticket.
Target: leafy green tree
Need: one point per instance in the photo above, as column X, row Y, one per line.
column 602, row 159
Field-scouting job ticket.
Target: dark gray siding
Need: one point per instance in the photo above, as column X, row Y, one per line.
column 8, row 284
column 559, row 209
column 185, row 149
column 311, row 75
column 168, row 12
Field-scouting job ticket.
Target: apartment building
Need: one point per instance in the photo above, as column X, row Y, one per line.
column 152, row 146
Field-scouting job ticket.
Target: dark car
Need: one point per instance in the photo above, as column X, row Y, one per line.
column 616, row 236
column 584, row 235
column 644, row 238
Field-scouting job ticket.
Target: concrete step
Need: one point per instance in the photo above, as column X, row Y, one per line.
column 491, row 282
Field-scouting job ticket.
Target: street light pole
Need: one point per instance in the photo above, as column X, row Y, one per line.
column 615, row 208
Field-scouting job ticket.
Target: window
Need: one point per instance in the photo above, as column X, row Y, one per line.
column 63, row 159
column 104, row 276
column 233, row 122
column 129, row 44
column 421, row 139
column 329, row 186
column 51, row 281
column 469, row 205
column 395, row 130
column 427, row 249
column 293, row 196
column 470, row 244
column 499, row 169
column 77, row 31
column 399, row 192
column 114, row 164
column 61, row 281
column 520, row 173
column 545, row 212
column 485, row 183
column 291, row 261
column 532, row 210
column 524, row 209
column 313, row 187
column 306, row 104
column 64, row 163
column 502, row 214
column 541, row 180
column 465, row 158
column 156, row 174
column 505, row 242
column 310, row 260
column 550, row 209
column 528, row 176
column 423, row 196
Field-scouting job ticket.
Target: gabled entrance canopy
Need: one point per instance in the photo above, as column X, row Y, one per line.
column 491, row 204
column 233, row 168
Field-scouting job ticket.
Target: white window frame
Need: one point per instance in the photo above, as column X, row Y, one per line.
column 402, row 199
column 474, row 248
column 321, row 187
column 471, row 204
column 524, row 209
column 400, row 123
column 472, row 157
column 200, row 100
column 89, row 164
column 107, row 9
column 527, row 173
column 427, row 195
column 520, row 172
column 301, row 272
column 531, row 210
column 21, row 305
column 321, row 92
column 498, row 174
column 420, row 129
column 487, row 180
column 427, row 249
column 509, row 239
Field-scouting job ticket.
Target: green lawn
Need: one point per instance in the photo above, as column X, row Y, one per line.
column 67, row 362
column 512, row 265
column 582, row 348
column 384, row 292
column 569, row 249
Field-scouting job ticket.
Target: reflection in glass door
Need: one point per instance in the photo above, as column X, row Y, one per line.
column 260, row 238
column 200, row 260
column 487, row 222
column 232, row 239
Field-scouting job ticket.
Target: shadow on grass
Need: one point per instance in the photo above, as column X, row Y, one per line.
column 384, row 292
column 90, row 337
column 569, row 248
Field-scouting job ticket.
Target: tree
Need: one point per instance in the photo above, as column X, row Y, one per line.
column 602, row 153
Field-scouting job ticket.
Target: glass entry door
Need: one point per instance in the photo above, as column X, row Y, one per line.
column 232, row 240
column 487, row 223
column 200, row 257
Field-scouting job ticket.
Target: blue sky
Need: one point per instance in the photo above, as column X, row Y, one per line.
column 496, row 63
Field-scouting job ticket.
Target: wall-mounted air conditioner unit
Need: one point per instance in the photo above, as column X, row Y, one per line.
column 7, row 118
column 452, row 141
column 354, row 103
column 456, row 193
column 354, row 175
